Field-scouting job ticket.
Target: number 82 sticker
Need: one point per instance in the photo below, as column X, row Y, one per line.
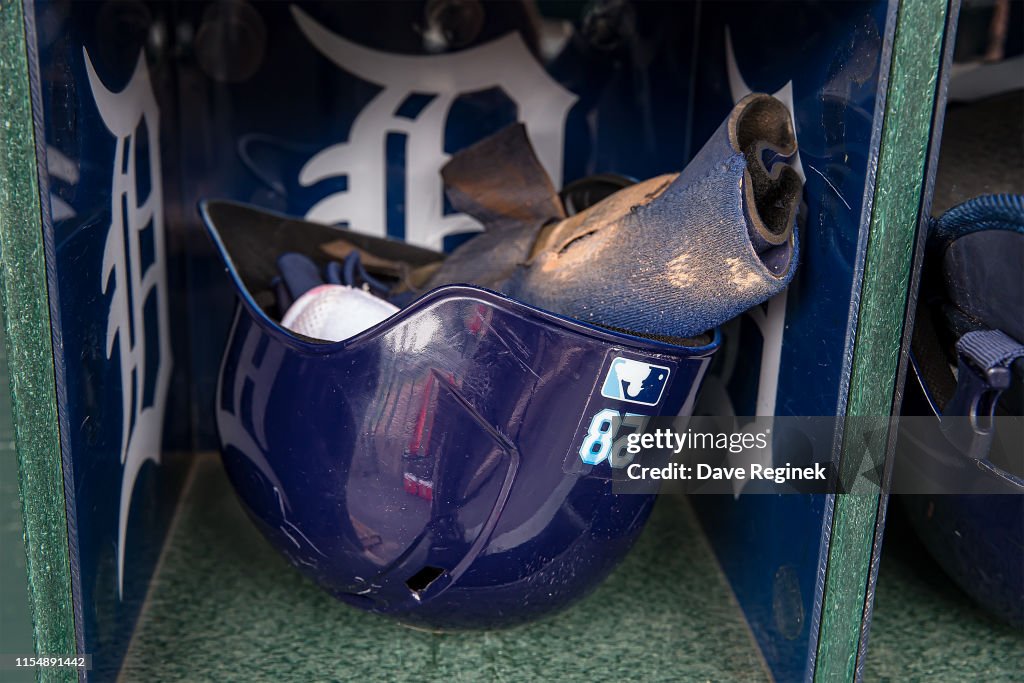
column 606, row 438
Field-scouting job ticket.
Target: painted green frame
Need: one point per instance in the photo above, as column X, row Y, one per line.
column 26, row 317
column 906, row 135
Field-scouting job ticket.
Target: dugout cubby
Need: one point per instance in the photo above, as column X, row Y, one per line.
column 120, row 116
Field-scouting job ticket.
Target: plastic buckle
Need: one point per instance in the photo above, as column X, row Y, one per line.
column 977, row 392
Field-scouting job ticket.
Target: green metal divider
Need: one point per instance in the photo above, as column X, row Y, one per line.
column 906, row 132
column 23, row 293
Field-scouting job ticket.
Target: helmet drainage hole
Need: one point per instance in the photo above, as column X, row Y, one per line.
column 419, row 581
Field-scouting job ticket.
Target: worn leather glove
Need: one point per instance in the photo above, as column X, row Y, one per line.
column 670, row 257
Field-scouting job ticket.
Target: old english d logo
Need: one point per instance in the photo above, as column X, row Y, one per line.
column 134, row 275
column 506, row 63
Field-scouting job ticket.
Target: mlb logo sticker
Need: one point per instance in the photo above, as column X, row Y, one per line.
column 635, row 381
